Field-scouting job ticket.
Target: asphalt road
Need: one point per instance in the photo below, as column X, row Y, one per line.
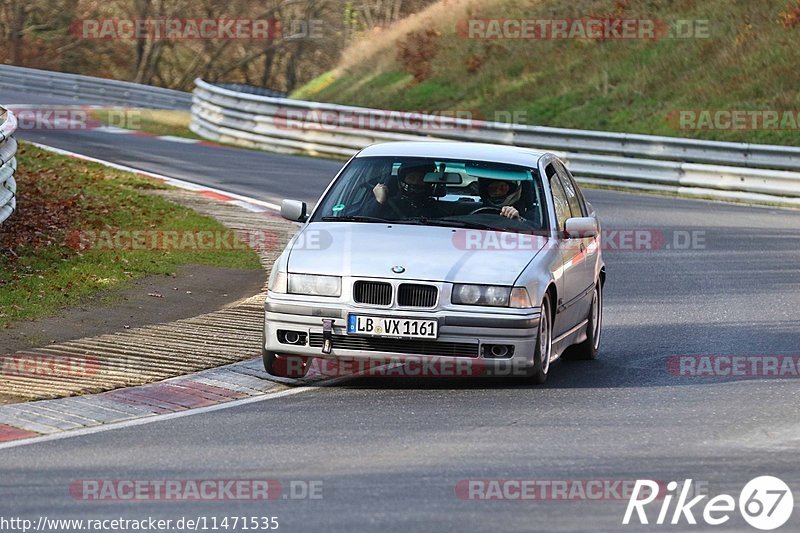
column 22, row 97
column 269, row 178
column 390, row 452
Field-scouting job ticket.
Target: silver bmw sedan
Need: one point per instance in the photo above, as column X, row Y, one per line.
column 480, row 256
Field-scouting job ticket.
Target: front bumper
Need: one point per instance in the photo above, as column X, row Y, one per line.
column 465, row 336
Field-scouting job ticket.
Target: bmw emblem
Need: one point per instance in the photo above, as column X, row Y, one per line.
column 398, row 269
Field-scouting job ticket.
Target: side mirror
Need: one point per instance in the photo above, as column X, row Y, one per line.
column 294, row 210
column 581, row 227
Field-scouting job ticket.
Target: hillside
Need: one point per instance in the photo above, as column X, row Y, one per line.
column 741, row 56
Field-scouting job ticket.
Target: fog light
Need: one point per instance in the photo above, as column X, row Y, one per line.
column 296, row 338
column 498, row 351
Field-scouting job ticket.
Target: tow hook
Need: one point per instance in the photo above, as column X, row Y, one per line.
column 327, row 335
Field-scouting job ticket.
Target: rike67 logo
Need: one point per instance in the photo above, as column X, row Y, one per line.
column 766, row 503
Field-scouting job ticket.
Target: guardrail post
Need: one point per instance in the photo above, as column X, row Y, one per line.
column 8, row 164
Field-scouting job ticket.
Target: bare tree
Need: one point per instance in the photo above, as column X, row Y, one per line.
column 46, row 34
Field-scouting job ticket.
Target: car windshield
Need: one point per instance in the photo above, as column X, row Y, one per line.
column 436, row 192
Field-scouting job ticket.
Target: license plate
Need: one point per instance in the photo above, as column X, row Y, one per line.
column 380, row 326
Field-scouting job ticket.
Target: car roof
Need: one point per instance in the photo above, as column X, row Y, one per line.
column 496, row 153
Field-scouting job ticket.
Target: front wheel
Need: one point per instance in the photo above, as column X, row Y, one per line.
column 544, row 345
column 590, row 348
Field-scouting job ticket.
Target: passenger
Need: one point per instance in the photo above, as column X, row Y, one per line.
column 504, row 195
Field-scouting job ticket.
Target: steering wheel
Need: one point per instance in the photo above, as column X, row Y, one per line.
column 486, row 209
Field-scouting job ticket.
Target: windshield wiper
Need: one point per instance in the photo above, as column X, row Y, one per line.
column 448, row 222
column 355, row 218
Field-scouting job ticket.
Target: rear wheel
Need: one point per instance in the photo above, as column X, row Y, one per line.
column 544, row 344
column 590, row 348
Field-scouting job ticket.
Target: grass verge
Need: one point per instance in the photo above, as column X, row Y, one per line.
column 41, row 269
column 155, row 121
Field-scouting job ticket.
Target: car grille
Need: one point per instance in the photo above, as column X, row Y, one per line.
column 372, row 292
column 417, row 295
column 404, row 346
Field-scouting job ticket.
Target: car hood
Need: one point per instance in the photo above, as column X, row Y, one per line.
column 425, row 252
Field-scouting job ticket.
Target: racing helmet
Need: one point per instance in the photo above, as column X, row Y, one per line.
column 415, row 191
column 509, row 198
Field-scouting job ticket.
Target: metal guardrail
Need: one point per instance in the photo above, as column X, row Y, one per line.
column 734, row 171
column 251, row 89
column 90, row 90
column 8, row 164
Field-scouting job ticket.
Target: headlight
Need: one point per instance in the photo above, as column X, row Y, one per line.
column 491, row 295
column 315, row 285
column 467, row 294
column 496, row 296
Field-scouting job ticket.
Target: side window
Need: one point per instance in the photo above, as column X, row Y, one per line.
column 573, row 196
column 353, row 193
column 560, row 201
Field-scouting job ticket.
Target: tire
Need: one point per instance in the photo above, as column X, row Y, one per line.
column 286, row 366
column 590, row 348
column 544, row 345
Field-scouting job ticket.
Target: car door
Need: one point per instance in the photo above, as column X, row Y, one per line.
column 571, row 278
column 587, row 246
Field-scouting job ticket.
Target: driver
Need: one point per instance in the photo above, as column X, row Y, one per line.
column 502, row 195
column 415, row 197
